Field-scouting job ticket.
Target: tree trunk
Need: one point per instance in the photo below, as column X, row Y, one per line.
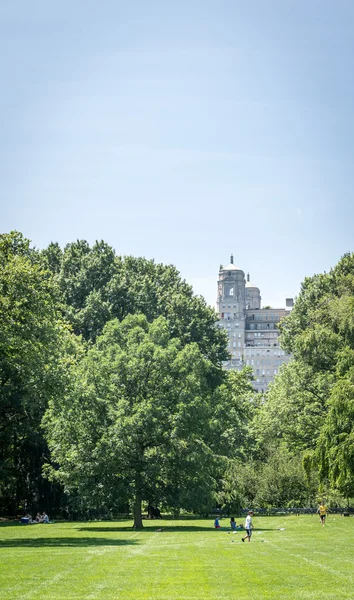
column 138, row 521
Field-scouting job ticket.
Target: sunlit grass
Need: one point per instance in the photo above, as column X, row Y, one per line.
column 187, row 560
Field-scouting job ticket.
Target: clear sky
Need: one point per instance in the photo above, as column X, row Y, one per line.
column 183, row 131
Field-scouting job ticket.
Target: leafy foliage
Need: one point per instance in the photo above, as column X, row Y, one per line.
column 139, row 418
column 30, row 339
column 320, row 333
column 98, row 286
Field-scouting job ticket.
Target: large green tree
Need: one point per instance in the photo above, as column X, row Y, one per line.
column 319, row 392
column 140, row 422
column 97, row 286
column 30, row 340
column 294, row 409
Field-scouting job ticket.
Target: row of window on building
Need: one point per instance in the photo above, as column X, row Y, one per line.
column 276, row 362
column 258, row 334
column 265, row 372
column 264, row 352
column 260, row 317
column 262, row 344
column 262, row 326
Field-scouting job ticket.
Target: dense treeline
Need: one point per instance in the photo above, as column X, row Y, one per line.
column 111, row 383
column 309, row 409
column 113, row 393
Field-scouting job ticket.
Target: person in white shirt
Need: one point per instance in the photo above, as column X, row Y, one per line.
column 248, row 526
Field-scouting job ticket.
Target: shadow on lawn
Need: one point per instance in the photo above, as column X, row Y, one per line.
column 171, row 528
column 149, row 529
column 64, row 541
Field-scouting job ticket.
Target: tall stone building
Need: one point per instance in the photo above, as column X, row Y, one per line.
column 252, row 330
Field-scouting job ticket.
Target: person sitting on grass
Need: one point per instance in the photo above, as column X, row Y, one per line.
column 27, row 519
column 216, row 523
column 233, row 523
column 45, row 518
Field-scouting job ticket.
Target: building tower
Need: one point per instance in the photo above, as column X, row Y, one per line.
column 231, row 306
column 252, row 331
column 253, row 295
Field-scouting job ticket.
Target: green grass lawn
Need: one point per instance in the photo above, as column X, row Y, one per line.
column 187, row 560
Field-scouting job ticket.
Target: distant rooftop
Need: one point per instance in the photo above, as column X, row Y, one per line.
column 249, row 284
column 231, row 266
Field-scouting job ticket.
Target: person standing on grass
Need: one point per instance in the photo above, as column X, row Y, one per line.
column 322, row 511
column 248, row 526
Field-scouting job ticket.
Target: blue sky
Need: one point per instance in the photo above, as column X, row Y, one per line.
column 183, row 132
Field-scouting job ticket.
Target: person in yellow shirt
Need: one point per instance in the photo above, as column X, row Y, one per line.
column 322, row 511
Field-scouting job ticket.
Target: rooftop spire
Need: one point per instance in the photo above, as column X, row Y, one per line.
column 232, row 259
column 248, row 276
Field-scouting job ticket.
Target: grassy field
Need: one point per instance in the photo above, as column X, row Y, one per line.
column 288, row 558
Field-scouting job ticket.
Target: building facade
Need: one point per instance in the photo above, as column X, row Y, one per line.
column 252, row 330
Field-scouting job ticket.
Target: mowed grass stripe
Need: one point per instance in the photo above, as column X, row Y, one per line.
column 187, row 560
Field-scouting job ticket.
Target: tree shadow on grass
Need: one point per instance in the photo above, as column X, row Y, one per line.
column 59, row 542
column 169, row 528
column 149, row 529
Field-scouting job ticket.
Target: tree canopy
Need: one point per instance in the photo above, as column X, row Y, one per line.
column 140, row 423
column 30, row 340
column 310, row 404
column 111, row 380
column 97, row 286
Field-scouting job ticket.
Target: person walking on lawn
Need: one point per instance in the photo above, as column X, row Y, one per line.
column 248, row 526
column 322, row 510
